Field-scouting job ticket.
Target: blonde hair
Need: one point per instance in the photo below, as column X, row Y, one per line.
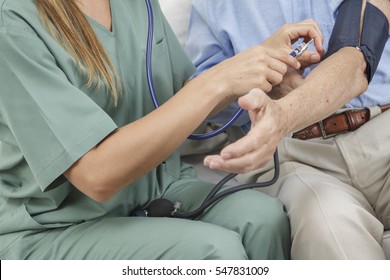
column 69, row 26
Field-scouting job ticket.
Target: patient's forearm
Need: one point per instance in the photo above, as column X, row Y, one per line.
column 328, row 87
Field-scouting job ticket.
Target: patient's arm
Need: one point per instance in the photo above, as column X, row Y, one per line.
column 294, row 78
column 328, row 87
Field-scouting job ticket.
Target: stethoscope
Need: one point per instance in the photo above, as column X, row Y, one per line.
column 152, row 91
column 162, row 207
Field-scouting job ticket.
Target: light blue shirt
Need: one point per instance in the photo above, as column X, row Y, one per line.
column 220, row 29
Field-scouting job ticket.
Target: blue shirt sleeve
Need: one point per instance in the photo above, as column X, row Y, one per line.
column 207, row 47
column 220, row 29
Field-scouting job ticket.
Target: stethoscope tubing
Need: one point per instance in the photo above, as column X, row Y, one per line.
column 152, row 89
column 214, row 194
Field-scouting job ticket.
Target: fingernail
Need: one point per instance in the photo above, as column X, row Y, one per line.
column 214, row 165
column 314, row 57
column 226, row 155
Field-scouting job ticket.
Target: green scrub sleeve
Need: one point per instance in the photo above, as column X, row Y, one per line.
column 53, row 122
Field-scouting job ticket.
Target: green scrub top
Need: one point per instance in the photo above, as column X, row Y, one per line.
column 49, row 118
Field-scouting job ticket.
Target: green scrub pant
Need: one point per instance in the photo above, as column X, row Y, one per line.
column 244, row 225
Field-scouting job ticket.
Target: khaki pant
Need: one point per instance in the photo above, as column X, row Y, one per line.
column 336, row 192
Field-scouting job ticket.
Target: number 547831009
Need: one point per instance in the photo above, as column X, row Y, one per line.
column 232, row 270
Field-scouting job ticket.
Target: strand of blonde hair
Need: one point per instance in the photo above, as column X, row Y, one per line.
column 69, row 26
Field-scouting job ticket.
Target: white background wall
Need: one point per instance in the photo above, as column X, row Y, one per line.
column 177, row 13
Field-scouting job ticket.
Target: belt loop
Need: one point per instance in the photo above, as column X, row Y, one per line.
column 374, row 111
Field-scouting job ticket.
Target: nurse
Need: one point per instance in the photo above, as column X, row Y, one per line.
column 82, row 148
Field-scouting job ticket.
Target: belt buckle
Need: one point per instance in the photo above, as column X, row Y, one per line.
column 323, row 132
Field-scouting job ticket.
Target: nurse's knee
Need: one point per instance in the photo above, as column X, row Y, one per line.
column 214, row 243
column 196, row 240
column 262, row 213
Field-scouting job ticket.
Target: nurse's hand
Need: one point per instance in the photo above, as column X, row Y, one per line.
column 263, row 66
column 257, row 67
column 254, row 150
column 289, row 33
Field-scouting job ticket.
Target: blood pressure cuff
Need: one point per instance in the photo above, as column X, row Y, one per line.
column 375, row 32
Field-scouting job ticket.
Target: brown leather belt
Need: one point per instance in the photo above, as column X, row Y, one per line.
column 348, row 120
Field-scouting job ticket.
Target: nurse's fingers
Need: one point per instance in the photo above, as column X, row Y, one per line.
column 309, row 58
column 307, row 29
column 287, row 59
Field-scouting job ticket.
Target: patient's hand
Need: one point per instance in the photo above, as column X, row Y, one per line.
column 269, row 125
